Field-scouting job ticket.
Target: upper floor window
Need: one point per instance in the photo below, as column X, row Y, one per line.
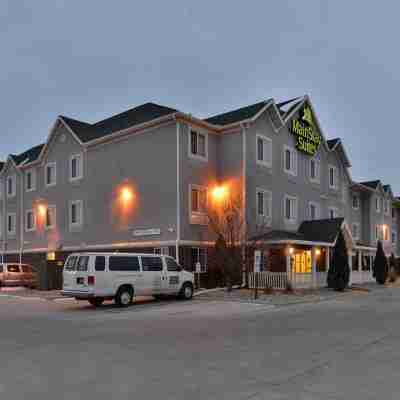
column 290, row 160
column 11, row 224
column 75, row 167
column 50, row 217
column 356, row 202
column 333, row 177
column 264, row 203
column 30, row 221
column 198, row 144
column 355, row 230
column 393, row 212
column 30, row 180
column 377, row 204
column 51, row 174
column 333, row 212
column 290, row 209
column 76, row 214
column 264, row 151
column 315, row 167
column 313, row 210
column 198, row 199
column 11, row 185
column 386, row 207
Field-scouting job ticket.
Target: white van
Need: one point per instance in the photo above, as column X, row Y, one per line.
column 121, row 276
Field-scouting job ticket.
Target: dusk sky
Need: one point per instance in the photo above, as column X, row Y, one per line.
column 92, row 59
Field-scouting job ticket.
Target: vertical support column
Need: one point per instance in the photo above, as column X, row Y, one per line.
column 350, row 267
column 289, row 265
column 314, row 267
column 327, row 259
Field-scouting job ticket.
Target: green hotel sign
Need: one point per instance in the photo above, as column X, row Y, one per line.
column 307, row 139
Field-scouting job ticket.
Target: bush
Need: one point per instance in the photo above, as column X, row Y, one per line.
column 339, row 270
column 380, row 265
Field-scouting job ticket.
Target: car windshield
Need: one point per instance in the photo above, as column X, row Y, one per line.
column 70, row 263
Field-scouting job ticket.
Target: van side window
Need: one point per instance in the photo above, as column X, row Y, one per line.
column 152, row 264
column 123, row 263
column 13, row 268
column 172, row 265
column 100, row 263
column 70, row 263
column 82, row 263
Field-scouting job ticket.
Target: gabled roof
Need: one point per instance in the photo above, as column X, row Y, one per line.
column 322, row 230
column 371, row 184
column 28, row 156
column 238, row 115
column 127, row 119
column 332, row 143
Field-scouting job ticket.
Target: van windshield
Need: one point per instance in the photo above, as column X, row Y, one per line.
column 70, row 263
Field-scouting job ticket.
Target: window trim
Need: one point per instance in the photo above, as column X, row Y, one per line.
column 31, row 171
column 386, row 202
column 357, row 225
column 317, row 178
column 50, row 164
column 193, row 155
column 75, row 224
column 317, row 210
column 291, row 220
column 74, row 157
column 199, row 188
column 355, row 196
column 49, row 227
column 14, row 231
column 293, row 160
column 265, row 199
column 335, row 212
column 377, row 204
column 264, row 163
column 335, row 185
column 13, row 177
column 33, row 221
column 198, row 258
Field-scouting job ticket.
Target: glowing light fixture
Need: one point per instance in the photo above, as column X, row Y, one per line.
column 291, row 250
column 42, row 210
column 219, row 193
column 317, row 252
column 126, row 194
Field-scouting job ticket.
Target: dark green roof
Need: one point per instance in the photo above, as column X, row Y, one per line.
column 135, row 116
column 238, row 115
column 332, row 143
column 29, row 155
column 371, row 184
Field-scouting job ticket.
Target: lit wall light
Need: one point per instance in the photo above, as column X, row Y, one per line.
column 219, row 193
column 291, row 250
column 42, row 210
column 317, row 252
column 126, row 194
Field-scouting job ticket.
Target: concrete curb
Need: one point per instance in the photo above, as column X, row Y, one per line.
column 204, row 291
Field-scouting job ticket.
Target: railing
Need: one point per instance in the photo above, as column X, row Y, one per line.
column 273, row 280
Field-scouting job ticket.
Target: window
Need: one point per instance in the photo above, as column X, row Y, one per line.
column 393, row 213
column 264, row 203
column 172, row 265
column 11, row 223
column 30, row 221
column 198, row 145
column 30, row 180
column 51, row 174
column 290, row 160
column 394, row 238
column 75, row 167
column 75, row 213
column 381, row 233
column 70, row 263
column 123, row 263
column 386, row 207
column 355, row 228
column 198, row 199
column 385, row 232
column 82, row 264
column 333, row 212
column 100, row 263
column 315, row 173
column 161, row 251
column 290, row 209
column 152, row 264
column 11, row 185
column 377, row 204
column 356, row 202
column 264, row 151
column 199, row 256
column 314, row 210
column 50, row 217
column 333, row 177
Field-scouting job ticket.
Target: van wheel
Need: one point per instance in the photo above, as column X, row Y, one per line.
column 124, row 296
column 186, row 292
column 97, row 301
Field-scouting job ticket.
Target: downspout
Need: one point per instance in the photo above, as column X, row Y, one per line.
column 21, row 218
column 178, row 197
column 244, row 182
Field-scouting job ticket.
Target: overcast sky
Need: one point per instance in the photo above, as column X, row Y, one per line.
column 92, row 59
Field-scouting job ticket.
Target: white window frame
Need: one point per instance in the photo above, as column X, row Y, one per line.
column 33, row 228
column 267, row 151
column 293, row 210
column 32, row 172
column 377, row 204
column 293, row 160
column 196, row 155
column 54, row 165
column 335, row 185
column 386, row 207
column 199, row 188
column 14, row 231
column 48, row 227
column 79, row 223
column 77, row 156
column 357, row 226
column 335, row 212
column 205, row 267
column 317, row 210
column 13, row 187
column 267, row 205
column 317, row 162
column 161, row 251
column 355, row 196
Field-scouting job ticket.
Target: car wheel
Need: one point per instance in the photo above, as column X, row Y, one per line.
column 96, row 302
column 186, row 291
column 124, row 296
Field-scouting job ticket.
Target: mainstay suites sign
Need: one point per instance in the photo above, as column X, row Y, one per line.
column 307, row 138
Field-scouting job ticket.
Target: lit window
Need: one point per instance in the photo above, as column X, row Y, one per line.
column 50, row 217
column 264, row 203
column 30, row 180
column 11, row 224
column 51, row 174
column 290, row 209
column 290, row 161
column 75, row 167
column 30, row 221
column 76, row 213
column 198, row 145
column 264, row 151
column 11, row 185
